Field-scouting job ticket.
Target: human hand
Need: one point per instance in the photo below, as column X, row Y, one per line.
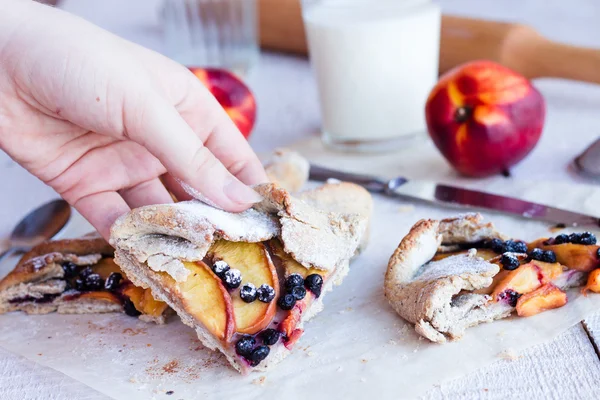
column 100, row 119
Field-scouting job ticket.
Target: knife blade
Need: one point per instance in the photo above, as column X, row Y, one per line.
column 456, row 197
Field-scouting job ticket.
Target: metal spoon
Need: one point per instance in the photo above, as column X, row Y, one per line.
column 41, row 224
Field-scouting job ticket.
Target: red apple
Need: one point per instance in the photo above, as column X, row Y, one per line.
column 233, row 94
column 484, row 117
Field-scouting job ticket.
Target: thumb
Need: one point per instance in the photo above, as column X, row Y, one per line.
column 156, row 125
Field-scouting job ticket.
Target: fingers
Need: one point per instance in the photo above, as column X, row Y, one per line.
column 145, row 193
column 101, row 210
column 156, row 125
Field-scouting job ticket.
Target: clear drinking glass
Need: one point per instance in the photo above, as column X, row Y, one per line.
column 375, row 62
column 211, row 33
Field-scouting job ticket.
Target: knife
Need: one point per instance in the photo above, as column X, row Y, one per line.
column 455, row 196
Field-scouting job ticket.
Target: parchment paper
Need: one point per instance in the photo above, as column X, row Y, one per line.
column 357, row 347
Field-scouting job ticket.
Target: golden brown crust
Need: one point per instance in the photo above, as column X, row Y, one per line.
column 36, row 263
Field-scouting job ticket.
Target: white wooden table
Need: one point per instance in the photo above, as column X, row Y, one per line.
column 567, row 368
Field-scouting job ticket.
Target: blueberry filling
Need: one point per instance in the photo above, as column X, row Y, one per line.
column 220, row 267
column 245, row 345
column 248, row 292
column 270, row 336
column 93, row 282
column 510, row 296
column 113, row 281
column 561, row 239
column 232, row 278
column 585, row 238
column 294, row 280
column 298, row 292
column 314, row 283
column 85, row 272
column 265, row 293
column 47, row 298
column 286, row 302
column 509, row 262
column 536, row 254
column 258, row 354
column 129, row 308
column 70, row 269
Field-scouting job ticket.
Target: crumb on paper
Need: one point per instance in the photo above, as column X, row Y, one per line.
column 349, row 309
column 169, row 392
column 509, row 354
column 259, row 381
column 132, row 380
column 39, row 354
column 406, row 208
column 392, row 342
column 364, row 361
column 171, row 367
column 486, row 389
column 135, row 332
column 311, row 353
column 148, row 345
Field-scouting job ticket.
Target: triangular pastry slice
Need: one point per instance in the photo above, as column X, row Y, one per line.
column 246, row 282
column 448, row 275
column 75, row 276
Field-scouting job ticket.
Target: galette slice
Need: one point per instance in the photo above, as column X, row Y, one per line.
column 246, row 282
column 75, row 276
column 449, row 275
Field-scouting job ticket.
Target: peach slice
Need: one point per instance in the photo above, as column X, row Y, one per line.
column 254, row 262
column 290, row 265
column 107, row 266
column 550, row 271
column 579, row 257
column 593, row 282
column 522, row 280
column 497, row 279
column 143, row 300
column 546, row 297
column 486, row 254
column 205, row 297
column 106, row 296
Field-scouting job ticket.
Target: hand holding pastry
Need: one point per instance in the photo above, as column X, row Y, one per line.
column 100, row 119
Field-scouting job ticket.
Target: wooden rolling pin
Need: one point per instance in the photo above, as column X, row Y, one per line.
column 516, row 46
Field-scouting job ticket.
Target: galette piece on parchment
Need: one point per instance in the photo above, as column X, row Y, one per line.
column 75, row 276
column 448, row 275
column 246, row 282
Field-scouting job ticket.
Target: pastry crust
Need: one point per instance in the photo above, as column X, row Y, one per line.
column 431, row 294
column 39, row 276
column 314, row 237
column 288, row 169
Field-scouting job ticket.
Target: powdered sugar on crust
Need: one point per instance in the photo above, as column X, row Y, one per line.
column 455, row 266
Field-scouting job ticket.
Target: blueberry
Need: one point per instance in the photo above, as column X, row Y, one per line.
column 509, row 262
column 248, row 292
column 70, row 269
column 561, row 239
column 510, row 296
column 314, row 283
column 85, row 272
column 587, row 238
column 232, row 278
column 496, row 245
column 298, row 292
column 520, row 247
column 575, row 238
column 130, row 309
column 219, row 268
column 79, row 285
column 258, row 354
column 536, row 254
column 94, row 282
column 511, row 246
column 294, row 280
column 270, row 336
column 245, row 345
column 549, row 256
column 598, row 253
column 286, row 302
column 265, row 293
column 113, row 281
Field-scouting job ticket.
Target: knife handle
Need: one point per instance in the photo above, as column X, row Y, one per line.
column 371, row 183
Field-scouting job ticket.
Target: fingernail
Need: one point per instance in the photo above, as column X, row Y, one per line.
column 240, row 193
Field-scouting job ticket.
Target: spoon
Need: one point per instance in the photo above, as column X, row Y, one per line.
column 39, row 225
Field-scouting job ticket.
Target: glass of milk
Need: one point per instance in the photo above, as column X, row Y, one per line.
column 375, row 62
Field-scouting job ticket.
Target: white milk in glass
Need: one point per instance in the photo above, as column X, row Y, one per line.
column 375, row 63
